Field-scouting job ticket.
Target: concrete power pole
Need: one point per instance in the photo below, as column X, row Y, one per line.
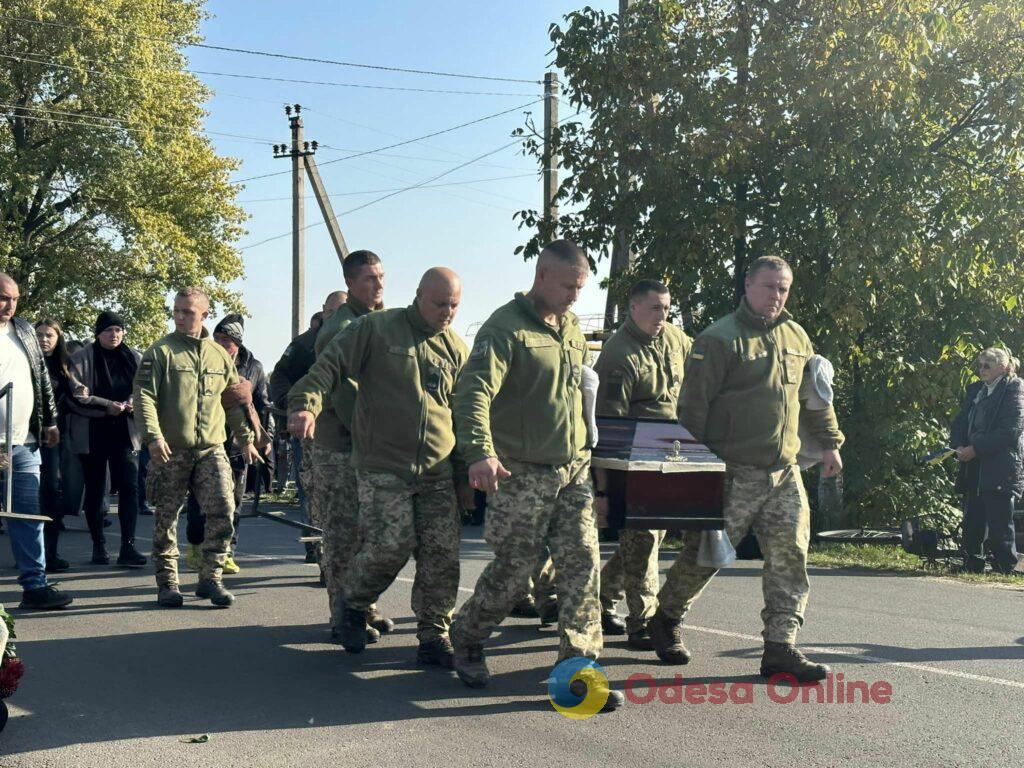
column 622, row 255
column 550, row 155
column 301, row 154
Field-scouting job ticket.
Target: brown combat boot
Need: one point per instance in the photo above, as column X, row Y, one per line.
column 379, row 621
column 471, row 667
column 786, row 658
column 667, row 639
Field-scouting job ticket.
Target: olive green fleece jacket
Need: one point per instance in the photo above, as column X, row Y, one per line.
column 741, row 391
column 334, row 425
column 519, row 396
column 177, row 394
column 402, row 423
column 640, row 374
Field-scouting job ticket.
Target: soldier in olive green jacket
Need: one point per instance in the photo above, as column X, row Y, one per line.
column 741, row 398
column 519, row 420
column 407, row 362
column 641, row 370
column 334, row 501
column 177, row 397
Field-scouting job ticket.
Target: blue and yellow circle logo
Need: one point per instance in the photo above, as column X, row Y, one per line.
column 578, row 688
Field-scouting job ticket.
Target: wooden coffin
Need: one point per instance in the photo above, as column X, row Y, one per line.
column 659, row 476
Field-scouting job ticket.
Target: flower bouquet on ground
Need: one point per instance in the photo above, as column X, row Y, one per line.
column 11, row 668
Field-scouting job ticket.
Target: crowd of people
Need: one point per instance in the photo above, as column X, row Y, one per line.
column 399, row 426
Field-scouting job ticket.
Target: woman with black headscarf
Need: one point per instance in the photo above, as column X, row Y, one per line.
column 103, row 433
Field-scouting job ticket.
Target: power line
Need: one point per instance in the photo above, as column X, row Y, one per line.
column 267, row 78
column 114, row 123
column 398, row 144
column 385, row 197
column 393, row 189
column 290, row 57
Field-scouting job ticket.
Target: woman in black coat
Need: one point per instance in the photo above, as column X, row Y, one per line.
column 988, row 435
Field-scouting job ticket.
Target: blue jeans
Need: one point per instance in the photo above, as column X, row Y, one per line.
column 27, row 535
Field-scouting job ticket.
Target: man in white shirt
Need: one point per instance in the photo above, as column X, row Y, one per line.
column 33, row 422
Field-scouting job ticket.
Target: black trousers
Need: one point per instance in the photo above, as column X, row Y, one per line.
column 124, row 473
column 989, row 515
column 195, row 528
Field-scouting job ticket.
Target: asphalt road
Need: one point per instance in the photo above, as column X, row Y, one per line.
column 115, row 681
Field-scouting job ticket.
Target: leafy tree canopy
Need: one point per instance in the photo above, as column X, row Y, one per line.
column 875, row 145
column 110, row 194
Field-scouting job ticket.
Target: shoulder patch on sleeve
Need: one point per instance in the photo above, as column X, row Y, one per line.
column 695, row 355
column 481, row 348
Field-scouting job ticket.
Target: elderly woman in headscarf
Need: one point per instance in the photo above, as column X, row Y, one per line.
column 988, row 436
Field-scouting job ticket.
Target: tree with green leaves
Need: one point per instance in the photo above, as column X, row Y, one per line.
column 877, row 146
column 110, row 194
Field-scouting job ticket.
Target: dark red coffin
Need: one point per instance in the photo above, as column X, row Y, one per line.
column 660, row 477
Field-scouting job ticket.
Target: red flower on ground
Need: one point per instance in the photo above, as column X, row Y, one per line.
column 10, row 673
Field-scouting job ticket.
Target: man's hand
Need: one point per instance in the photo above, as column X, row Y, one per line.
column 160, row 451
column 51, row 436
column 251, row 454
column 831, row 463
column 302, row 425
column 115, row 409
column 966, row 453
column 466, row 495
column 81, row 392
column 484, row 475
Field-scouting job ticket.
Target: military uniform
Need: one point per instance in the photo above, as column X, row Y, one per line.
column 742, row 400
column 177, row 398
column 640, row 378
column 333, row 502
column 402, row 453
column 519, row 400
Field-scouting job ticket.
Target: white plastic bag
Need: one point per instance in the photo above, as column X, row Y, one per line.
column 589, row 382
column 716, row 551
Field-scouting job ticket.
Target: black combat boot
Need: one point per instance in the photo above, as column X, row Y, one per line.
column 437, row 651
column 611, row 624
column 99, row 554
column 215, row 592
column 46, row 598
column 471, row 667
column 169, row 596
column 614, row 701
column 525, row 609
column 641, row 640
column 548, row 612
column 353, row 630
column 786, row 658
column 130, row 556
column 667, row 638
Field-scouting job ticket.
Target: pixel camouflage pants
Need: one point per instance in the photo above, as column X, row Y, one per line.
column 207, row 472
column 337, row 505
column 540, row 505
column 775, row 505
column 632, row 573
column 398, row 519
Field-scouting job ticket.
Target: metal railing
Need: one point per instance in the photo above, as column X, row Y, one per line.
column 6, row 394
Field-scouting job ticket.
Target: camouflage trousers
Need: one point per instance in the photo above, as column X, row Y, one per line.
column 538, row 506
column 398, row 519
column 336, row 499
column 540, row 584
column 774, row 504
column 207, row 473
column 307, row 479
column 632, row 573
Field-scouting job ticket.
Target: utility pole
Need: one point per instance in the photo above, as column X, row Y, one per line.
column 550, row 155
column 622, row 255
column 295, row 154
column 301, row 154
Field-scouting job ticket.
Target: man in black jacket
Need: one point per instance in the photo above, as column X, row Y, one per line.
column 228, row 334
column 988, row 435
column 33, row 421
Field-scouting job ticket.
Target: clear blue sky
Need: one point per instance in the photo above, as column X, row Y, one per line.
column 466, row 227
